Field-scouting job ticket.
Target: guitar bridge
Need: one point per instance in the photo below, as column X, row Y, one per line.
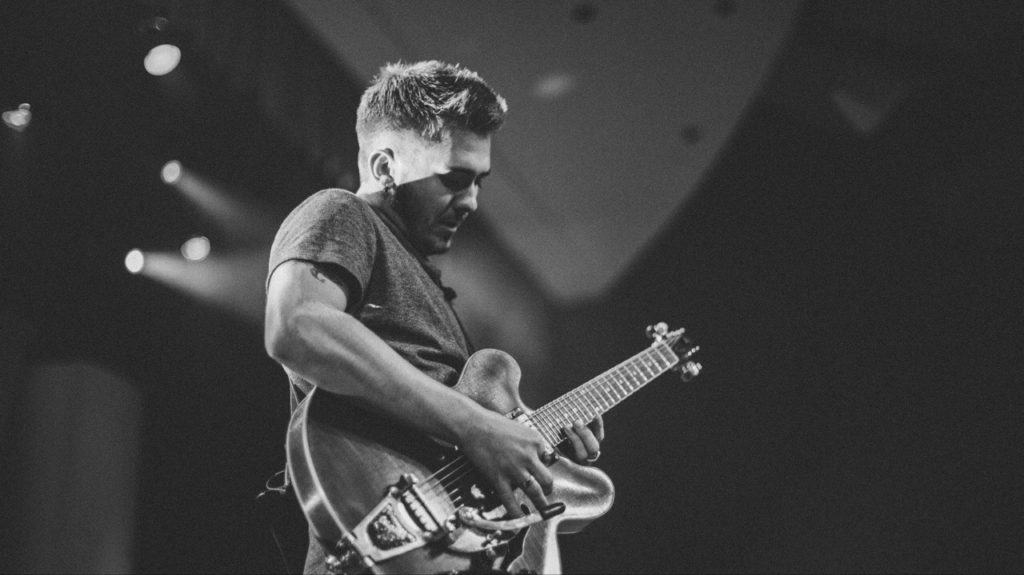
column 401, row 522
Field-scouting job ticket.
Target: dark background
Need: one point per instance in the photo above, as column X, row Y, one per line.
column 857, row 300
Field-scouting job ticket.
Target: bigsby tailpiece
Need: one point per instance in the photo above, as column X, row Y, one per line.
column 407, row 519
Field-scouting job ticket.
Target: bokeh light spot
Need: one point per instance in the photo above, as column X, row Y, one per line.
column 171, row 172
column 196, row 249
column 162, row 59
column 134, row 261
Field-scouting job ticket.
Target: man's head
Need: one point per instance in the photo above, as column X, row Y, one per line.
column 427, row 127
column 430, row 99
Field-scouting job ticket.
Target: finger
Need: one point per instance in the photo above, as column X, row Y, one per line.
column 508, row 499
column 590, row 443
column 532, row 488
column 578, row 449
column 597, row 426
column 549, row 457
column 543, row 478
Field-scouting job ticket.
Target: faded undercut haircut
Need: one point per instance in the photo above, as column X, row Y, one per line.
column 430, row 98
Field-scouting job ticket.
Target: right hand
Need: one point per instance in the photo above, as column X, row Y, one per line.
column 508, row 453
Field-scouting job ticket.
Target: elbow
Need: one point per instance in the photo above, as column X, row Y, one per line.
column 276, row 343
column 281, row 337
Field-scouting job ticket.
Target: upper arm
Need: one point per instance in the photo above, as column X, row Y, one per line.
column 298, row 286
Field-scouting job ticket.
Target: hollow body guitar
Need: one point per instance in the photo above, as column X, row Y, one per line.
column 384, row 498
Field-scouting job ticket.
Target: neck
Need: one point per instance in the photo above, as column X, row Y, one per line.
column 373, row 195
column 379, row 199
column 603, row 392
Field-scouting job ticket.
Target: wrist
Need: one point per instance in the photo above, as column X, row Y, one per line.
column 465, row 421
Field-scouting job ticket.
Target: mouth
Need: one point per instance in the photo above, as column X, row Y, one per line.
column 453, row 224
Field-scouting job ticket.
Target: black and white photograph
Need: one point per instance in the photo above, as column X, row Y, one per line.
column 511, row 286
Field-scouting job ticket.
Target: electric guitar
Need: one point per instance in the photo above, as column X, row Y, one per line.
column 383, row 498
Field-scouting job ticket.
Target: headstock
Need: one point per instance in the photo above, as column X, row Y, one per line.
column 681, row 345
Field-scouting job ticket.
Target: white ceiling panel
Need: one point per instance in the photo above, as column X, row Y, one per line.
column 593, row 160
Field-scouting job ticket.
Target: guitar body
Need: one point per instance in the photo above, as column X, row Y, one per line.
column 342, row 458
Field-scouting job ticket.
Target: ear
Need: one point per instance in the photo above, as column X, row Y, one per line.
column 382, row 163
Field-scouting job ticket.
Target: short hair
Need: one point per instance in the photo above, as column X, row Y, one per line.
column 430, row 98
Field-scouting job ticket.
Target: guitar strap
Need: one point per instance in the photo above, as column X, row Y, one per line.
column 275, row 506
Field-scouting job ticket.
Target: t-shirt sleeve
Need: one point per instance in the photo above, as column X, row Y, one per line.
column 330, row 227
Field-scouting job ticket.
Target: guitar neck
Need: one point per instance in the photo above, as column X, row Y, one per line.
column 603, row 392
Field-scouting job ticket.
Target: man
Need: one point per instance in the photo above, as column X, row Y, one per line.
column 355, row 308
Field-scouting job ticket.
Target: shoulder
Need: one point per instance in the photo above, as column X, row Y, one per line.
column 332, row 210
column 332, row 201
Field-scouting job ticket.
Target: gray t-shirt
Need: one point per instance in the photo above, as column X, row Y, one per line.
column 389, row 290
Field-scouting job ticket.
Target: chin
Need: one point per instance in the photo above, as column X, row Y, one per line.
column 441, row 243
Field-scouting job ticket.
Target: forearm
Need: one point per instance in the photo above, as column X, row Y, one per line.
column 335, row 351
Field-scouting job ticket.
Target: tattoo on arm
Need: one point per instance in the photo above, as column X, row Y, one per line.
column 329, row 274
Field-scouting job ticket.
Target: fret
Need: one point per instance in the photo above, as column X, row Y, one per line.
column 608, row 384
column 631, row 382
column 595, row 396
column 652, row 360
column 543, row 420
column 658, row 360
column 613, row 388
column 622, row 384
column 630, row 376
column 632, row 370
column 602, row 388
column 643, row 366
column 665, row 355
column 603, row 399
column 537, row 419
column 653, row 363
column 588, row 410
column 638, row 373
column 561, row 413
column 550, row 434
column 603, row 392
column 591, row 402
column 576, row 411
column 643, row 370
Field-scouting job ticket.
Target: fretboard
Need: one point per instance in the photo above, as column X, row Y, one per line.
column 603, row 392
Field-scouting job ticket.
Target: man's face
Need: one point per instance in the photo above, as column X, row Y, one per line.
column 438, row 185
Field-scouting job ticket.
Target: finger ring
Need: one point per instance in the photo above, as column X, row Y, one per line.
column 524, row 483
column 594, row 457
column 549, row 457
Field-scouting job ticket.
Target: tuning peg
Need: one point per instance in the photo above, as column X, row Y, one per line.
column 689, row 370
column 657, row 331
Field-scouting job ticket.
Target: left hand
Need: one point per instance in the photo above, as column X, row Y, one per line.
column 585, row 440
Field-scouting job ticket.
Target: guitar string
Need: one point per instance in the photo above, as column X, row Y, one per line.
column 459, row 468
column 580, row 399
column 445, row 484
column 441, row 485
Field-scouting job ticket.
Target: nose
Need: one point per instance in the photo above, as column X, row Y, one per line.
column 466, row 201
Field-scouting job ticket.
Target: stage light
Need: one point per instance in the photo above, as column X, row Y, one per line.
column 171, row 172
column 134, row 261
column 242, row 221
column 162, row 60
column 18, row 119
column 232, row 281
column 196, row 249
